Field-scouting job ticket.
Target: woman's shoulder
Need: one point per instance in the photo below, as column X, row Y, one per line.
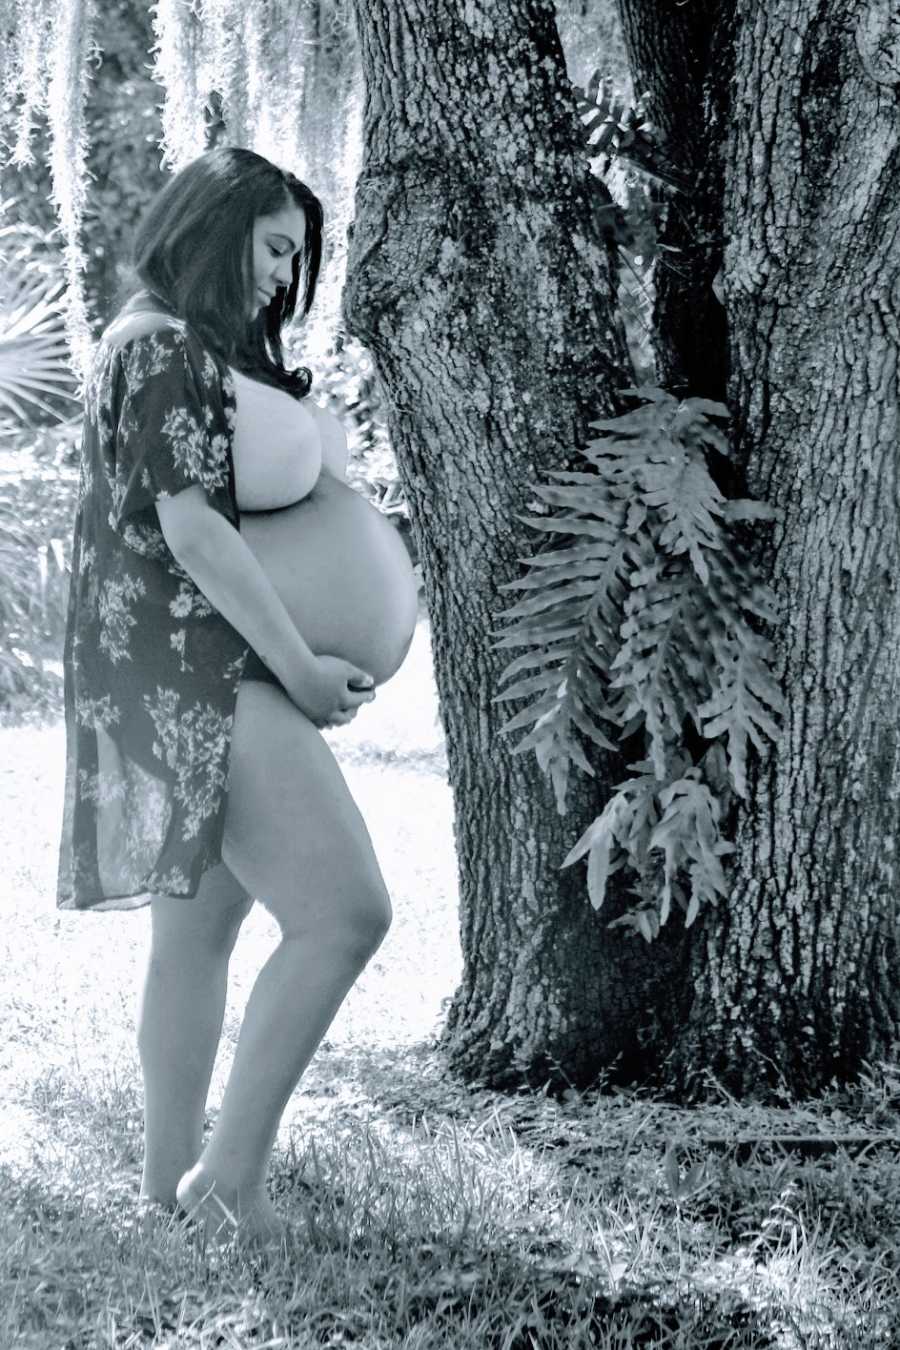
column 147, row 315
column 140, row 323
column 148, row 342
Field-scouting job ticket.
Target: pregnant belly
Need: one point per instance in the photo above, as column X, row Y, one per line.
column 343, row 574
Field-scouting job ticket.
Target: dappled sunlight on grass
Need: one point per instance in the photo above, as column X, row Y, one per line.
column 426, row 1214
column 454, row 1222
column 453, row 1232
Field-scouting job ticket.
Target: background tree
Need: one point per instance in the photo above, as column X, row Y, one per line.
column 791, row 131
column 789, row 980
column 482, row 282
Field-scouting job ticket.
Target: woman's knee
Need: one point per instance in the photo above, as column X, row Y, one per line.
column 370, row 928
column 359, row 936
column 294, row 836
column 191, row 926
column 358, row 925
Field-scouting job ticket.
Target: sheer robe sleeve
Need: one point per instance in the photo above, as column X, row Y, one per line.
column 170, row 433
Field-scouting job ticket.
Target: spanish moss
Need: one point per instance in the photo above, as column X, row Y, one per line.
column 283, row 75
column 177, row 67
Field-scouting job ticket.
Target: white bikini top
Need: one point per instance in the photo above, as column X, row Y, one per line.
column 277, row 446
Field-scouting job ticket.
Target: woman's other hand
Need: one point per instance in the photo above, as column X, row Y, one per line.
column 329, row 698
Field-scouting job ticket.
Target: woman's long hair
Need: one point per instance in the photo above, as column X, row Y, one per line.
column 193, row 248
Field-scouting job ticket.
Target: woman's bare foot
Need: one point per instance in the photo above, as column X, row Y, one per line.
column 225, row 1212
column 156, row 1204
column 150, row 1211
column 146, row 1200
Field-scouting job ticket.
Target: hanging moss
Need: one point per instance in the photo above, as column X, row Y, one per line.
column 326, row 136
column 177, row 67
column 26, row 57
column 72, row 58
column 286, row 55
column 55, row 40
column 284, row 73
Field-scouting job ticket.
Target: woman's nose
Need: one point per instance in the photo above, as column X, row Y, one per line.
column 284, row 274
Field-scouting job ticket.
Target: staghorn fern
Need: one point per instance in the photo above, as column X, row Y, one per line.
column 641, row 622
column 624, row 132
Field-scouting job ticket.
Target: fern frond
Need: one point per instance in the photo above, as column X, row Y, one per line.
column 689, row 831
column 550, row 629
column 580, row 592
column 642, row 621
column 736, row 707
column 624, row 131
column 653, row 618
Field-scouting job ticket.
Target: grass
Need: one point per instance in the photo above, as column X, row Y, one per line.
column 428, row 1214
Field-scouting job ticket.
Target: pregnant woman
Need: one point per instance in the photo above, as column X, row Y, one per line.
column 230, row 596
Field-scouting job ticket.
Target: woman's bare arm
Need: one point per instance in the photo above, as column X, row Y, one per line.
column 228, row 573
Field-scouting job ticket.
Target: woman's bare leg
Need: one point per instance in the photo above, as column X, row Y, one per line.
column 180, row 1010
column 295, row 838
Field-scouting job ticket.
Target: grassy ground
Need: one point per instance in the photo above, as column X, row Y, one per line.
column 426, row 1215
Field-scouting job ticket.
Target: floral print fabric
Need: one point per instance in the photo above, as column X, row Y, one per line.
column 151, row 668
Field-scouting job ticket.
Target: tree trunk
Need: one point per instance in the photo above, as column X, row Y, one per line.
column 794, row 980
column 480, row 283
column 675, row 52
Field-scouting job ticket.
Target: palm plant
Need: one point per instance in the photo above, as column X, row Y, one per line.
column 37, row 387
column 34, row 358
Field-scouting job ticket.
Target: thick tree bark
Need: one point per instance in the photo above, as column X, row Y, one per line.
column 794, row 980
column 478, row 281
column 679, row 53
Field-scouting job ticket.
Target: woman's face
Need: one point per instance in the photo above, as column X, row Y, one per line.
column 276, row 239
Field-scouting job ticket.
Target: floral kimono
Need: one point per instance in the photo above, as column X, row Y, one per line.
column 151, row 668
